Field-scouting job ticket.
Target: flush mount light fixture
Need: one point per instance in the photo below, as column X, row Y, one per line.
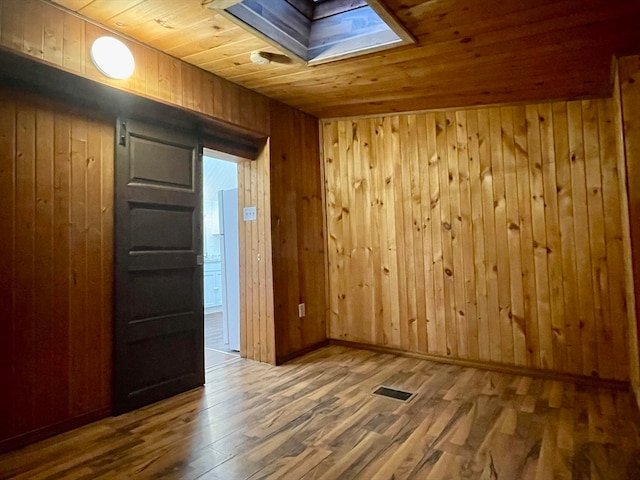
column 113, row 58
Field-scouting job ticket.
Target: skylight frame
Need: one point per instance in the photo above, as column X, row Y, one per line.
column 260, row 18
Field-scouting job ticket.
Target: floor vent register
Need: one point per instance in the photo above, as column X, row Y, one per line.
column 393, row 393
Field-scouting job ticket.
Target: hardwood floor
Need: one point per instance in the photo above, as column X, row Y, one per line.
column 213, row 331
column 315, row 418
column 215, row 350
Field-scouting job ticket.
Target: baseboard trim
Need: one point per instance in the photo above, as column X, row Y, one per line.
column 496, row 367
column 52, row 430
column 280, row 359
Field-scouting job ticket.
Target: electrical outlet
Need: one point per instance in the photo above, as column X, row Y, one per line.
column 301, row 311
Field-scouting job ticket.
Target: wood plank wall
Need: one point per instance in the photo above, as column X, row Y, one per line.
column 61, row 39
column 56, row 242
column 627, row 99
column 489, row 234
column 52, row 35
column 284, row 183
column 257, row 337
column 57, row 38
column 298, row 231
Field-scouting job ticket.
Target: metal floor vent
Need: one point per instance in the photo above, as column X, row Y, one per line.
column 393, row 393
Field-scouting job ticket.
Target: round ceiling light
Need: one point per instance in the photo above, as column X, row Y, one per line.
column 113, row 58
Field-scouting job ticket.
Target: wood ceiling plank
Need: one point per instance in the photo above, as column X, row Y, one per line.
column 468, row 51
column 225, row 50
column 73, row 5
column 547, row 17
column 102, row 10
column 165, row 39
column 518, row 75
column 199, row 40
column 460, row 62
column 443, row 14
column 243, row 72
column 516, row 93
column 143, row 16
column 494, row 44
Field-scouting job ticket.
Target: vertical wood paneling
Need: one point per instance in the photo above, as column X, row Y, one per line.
column 446, row 238
column 64, row 40
column 378, row 233
column 297, row 221
column 61, row 207
column 78, row 371
column 514, row 312
column 567, row 237
column 33, row 29
column 365, row 251
column 487, row 228
column 44, row 253
column 627, row 120
column 581, row 215
column 13, row 20
column 7, row 256
column 256, row 278
column 80, row 165
column 501, row 241
column 53, row 37
column 56, row 258
column 552, row 246
column 538, row 264
column 614, row 198
column 599, row 267
column 391, row 241
column 466, row 233
column 433, row 269
column 530, row 295
column 480, row 296
column 408, row 155
column 106, row 265
column 24, row 282
column 523, row 243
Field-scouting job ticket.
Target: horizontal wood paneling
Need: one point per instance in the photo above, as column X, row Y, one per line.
column 297, row 230
column 41, row 30
column 485, row 234
column 627, row 103
column 56, row 237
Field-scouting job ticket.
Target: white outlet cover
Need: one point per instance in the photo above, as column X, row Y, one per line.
column 249, row 214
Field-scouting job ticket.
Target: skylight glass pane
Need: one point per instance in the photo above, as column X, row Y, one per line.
column 335, row 30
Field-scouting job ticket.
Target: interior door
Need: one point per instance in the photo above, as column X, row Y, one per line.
column 159, row 325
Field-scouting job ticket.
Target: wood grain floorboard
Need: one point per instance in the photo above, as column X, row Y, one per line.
column 316, row 418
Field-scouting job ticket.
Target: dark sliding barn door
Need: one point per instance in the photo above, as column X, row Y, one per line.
column 159, row 327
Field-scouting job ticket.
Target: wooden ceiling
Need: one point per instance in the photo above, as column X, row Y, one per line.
column 469, row 52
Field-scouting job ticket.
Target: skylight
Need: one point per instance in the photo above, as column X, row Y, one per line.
column 318, row 31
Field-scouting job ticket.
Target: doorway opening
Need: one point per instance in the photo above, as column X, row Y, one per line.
column 221, row 267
